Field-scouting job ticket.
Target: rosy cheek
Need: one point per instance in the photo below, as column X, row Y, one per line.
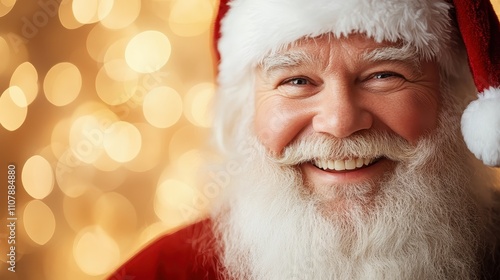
column 410, row 118
column 277, row 124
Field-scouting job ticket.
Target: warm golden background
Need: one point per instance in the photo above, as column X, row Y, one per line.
column 103, row 113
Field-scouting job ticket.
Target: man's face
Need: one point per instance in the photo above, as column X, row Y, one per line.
column 341, row 88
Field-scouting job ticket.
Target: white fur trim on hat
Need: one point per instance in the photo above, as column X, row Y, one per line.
column 481, row 126
column 253, row 28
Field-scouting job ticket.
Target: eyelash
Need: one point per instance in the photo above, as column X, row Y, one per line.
column 289, row 81
column 387, row 75
column 376, row 76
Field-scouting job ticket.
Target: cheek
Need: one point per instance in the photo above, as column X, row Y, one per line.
column 411, row 118
column 277, row 122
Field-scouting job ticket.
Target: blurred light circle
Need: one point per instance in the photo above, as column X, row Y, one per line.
column 78, row 210
column 122, row 14
column 105, row 163
column 37, row 177
column 148, row 51
column 122, row 141
column 67, row 176
column 162, row 107
column 198, row 101
column 191, row 17
column 104, row 9
column 188, row 165
column 6, row 6
column 115, row 213
column 149, row 156
column 13, row 108
column 95, row 252
column 4, row 53
column 99, row 40
column 17, row 96
column 115, row 83
column 86, row 138
column 174, row 202
column 90, row 11
column 62, row 84
column 116, row 50
column 66, row 16
column 39, row 221
column 26, row 77
column 118, row 70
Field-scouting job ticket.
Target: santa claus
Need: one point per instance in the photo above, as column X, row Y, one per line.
column 347, row 120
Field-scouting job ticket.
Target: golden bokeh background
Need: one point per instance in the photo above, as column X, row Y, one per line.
column 104, row 112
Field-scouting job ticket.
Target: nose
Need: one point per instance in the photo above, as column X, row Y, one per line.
column 341, row 112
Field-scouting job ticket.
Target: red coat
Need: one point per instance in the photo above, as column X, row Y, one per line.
column 185, row 254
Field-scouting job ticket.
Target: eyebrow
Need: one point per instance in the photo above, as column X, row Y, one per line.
column 278, row 61
column 406, row 54
column 283, row 60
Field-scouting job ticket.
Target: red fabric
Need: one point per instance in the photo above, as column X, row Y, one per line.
column 223, row 8
column 184, row 255
column 480, row 31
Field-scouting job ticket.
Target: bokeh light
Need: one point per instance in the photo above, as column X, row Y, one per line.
column 13, row 108
column 39, row 222
column 5, row 53
column 72, row 175
column 122, row 14
column 90, row 11
column 198, row 100
column 115, row 214
column 114, row 83
column 162, row 107
column 149, row 155
column 172, row 202
column 95, row 251
column 62, row 83
column 37, row 177
column 122, row 141
column 186, row 21
column 148, row 51
column 26, row 78
column 86, row 138
column 66, row 16
column 6, row 6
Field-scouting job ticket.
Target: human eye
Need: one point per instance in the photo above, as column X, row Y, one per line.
column 383, row 81
column 296, row 81
column 386, row 75
column 297, row 87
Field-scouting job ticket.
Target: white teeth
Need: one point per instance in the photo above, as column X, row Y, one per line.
column 340, row 165
column 350, row 164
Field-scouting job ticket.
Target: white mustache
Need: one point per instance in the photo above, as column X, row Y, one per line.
column 370, row 144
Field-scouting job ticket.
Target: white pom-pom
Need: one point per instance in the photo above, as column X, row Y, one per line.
column 481, row 127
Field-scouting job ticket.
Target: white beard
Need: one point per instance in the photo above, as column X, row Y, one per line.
column 426, row 221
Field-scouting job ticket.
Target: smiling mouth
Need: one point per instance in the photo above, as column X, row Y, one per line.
column 342, row 165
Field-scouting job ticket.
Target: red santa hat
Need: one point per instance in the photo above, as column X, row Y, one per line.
column 247, row 30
